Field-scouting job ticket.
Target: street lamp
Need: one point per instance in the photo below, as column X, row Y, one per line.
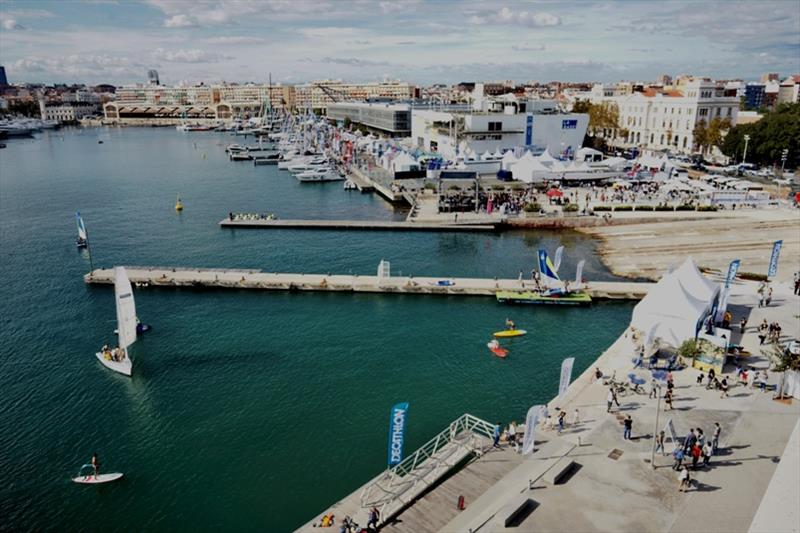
column 655, row 431
column 744, row 156
column 784, row 156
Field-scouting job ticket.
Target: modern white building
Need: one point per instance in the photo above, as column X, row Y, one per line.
column 503, row 123
column 665, row 119
column 384, row 118
column 319, row 94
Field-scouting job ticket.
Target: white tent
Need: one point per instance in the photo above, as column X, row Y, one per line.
column 615, row 162
column 487, row 155
column 497, row 154
column 557, row 166
column 545, row 157
column 403, row 162
column 695, row 283
column 572, row 167
column 668, row 310
column 525, row 168
column 508, row 159
column 588, row 153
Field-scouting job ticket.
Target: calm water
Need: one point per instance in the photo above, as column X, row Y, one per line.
column 247, row 411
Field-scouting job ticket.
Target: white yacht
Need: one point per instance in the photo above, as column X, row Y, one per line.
column 319, row 175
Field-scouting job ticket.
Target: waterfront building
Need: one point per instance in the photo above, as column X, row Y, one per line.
column 665, row 119
column 501, row 123
column 389, row 119
column 789, row 90
column 66, row 112
column 770, row 76
column 319, row 94
column 754, row 95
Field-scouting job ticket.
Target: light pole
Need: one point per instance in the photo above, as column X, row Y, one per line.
column 744, row 156
column 655, row 431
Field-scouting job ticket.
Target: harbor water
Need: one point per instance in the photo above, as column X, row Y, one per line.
column 247, row 410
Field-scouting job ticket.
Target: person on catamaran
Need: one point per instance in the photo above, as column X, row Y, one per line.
column 95, row 464
column 510, row 324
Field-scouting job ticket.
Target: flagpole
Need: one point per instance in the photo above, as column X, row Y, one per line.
column 655, row 431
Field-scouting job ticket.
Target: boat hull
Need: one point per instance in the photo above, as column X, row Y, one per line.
column 529, row 297
column 510, row 333
column 124, row 367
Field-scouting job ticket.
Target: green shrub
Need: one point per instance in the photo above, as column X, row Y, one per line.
column 685, row 207
column 454, row 188
column 664, row 208
column 623, row 208
column 532, row 207
column 644, row 208
column 498, row 187
column 570, row 208
column 706, row 208
column 430, row 186
column 602, row 208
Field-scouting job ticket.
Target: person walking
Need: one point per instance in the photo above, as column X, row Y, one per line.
column 677, row 455
column 707, row 453
column 611, row 397
column 628, row 424
column 653, row 388
column 660, row 443
column 724, row 386
column 668, row 401
column 496, row 436
column 715, row 438
column 763, row 381
column 689, row 441
column 374, row 518
column 685, row 479
column 577, row 417
column 696, row 452
column 700, row 378
column 711, row 376
column 561, row 417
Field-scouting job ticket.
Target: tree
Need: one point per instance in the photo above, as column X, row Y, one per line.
column 700, row 135
column 777, row 130
column 716, row 131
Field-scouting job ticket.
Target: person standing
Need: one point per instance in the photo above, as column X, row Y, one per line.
column 374, row 518
column 724, row 387
column 496, row 436
column 611, row 397
column 715, row 438
column 561, row 417
column 743, row 325
column 668, row 401
column 660, row 443
column 696, row 452
column 653, row 388
column 689, row 441
column 577, row 417
column 95, row 463
column 707, row 453
column 628, row 424
column 678, row 455
column 711, row 375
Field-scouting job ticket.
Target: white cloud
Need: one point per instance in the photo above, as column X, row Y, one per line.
column 11, row 25
column 519, row 18
column 193, row 55
column 328, row 32
column 396, row 6
column 235, row 39
column 77, row 67
column 528, row 47
column 179, row 21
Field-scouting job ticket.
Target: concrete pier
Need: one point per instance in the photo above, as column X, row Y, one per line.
column 256, row 279
column 363, row 225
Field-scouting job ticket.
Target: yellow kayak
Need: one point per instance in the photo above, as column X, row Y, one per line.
column 510, row 333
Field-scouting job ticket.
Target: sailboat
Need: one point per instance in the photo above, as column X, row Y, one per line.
column 81, row 241
column 119, row 359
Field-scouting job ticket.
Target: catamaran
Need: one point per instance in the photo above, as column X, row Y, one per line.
column 81, row 241
column 119, row 359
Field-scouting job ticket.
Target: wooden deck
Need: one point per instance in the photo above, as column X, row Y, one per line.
column 256, row 279
column 362, row 225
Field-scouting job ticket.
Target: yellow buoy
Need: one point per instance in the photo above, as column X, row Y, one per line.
column 178, row 204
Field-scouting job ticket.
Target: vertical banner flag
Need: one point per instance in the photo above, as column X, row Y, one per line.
column 670, row 430
column 773, row 261
column 733, row 268
column 397, row 430
column 531, row 420
column 579, row 273
column 566, row 375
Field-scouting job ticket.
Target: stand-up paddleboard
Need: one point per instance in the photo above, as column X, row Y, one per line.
column 91, row 479
column 495, row 348
column 510, row 333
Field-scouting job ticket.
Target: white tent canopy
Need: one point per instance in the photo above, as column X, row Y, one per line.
column 524, row 169
column 588, row 153
column 676, row 306
column 403, row 162
column 486, row 155
column 508, row 159
column 545, row 157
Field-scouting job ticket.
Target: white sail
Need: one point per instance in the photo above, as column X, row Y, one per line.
column 126, row 308
column 81, row 227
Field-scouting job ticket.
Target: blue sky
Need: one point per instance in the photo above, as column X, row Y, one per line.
column 421, row 41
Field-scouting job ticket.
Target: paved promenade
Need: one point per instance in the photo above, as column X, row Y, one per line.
column 625, row 493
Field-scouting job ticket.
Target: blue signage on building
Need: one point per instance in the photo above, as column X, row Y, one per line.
column 529, row 130
column 569, row 124
column 397, row 429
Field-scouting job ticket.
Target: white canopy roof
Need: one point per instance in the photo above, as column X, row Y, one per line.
column 696, row 283
column 497, row 154
column 525, row 168
column 557, row 166
column 581, row 154
column 545, row 157
column 486, row 155
column 508, row 159
column 403, row 162
column 614, row 162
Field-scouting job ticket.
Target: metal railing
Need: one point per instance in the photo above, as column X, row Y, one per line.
column 384, row 492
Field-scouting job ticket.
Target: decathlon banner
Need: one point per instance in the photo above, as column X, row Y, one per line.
column 733, row 268
column 566, row 375
column 397, row 430
column 531, row 420
column 773, row 261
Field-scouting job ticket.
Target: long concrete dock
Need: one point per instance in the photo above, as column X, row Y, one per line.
column 256, row 279
column 363, row 225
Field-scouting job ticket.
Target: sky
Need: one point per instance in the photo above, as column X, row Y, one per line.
column 419, row 41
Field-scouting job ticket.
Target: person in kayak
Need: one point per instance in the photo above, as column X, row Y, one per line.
column 95, row 464
column 510, row 324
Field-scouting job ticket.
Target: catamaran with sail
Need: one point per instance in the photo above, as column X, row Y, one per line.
column 118, row 359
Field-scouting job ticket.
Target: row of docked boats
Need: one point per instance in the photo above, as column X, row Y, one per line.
column 25, row 127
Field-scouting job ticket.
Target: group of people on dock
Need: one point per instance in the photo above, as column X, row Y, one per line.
column 251, row 216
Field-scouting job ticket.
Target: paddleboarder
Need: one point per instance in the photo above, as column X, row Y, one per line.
column 510, row 324
column 95, row 463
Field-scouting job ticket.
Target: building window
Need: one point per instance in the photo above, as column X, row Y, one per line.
column 495, row 126
column 703, row 112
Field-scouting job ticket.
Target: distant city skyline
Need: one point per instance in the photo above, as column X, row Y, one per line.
column 419, row 41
